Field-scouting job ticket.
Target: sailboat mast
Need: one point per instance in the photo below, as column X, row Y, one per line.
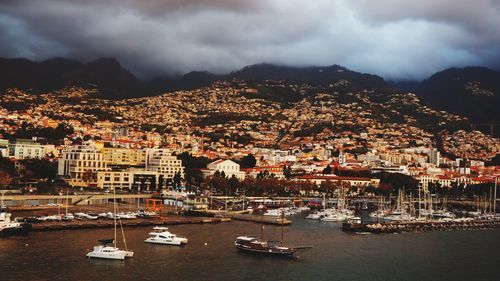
column 419, row 204
column 243, row 209
column 67, row 201
column 324, row 202
column 139, row 199
column 495, row 199
column 282, row 221
column 262, row 222
column 114, row 213
column 123, row 235
column 489, row 201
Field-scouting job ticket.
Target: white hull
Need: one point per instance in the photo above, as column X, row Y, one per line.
column 313, row 217
column 109, row 253
column 161, row 235
column 334, row 219
column 175, row 242
column 106, row 256
column 129, row 254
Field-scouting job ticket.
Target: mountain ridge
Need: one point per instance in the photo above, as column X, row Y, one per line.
column 470, row 91
column 115, row 81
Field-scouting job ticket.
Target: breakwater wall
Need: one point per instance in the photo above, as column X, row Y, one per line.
column 398, row 227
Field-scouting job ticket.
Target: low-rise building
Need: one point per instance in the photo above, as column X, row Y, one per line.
column 28, row 149
column 129, row 179
column 230, row 169
column 351, row 181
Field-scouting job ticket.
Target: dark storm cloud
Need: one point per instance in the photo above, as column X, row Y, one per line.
column 397, row 39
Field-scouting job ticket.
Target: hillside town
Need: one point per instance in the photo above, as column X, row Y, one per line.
column 318, row 135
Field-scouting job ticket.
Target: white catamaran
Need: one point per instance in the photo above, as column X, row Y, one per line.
column 108, row 248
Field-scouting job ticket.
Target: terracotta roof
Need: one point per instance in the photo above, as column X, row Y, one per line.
column 331, row 177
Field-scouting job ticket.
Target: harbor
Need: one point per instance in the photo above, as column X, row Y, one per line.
column 335, row 255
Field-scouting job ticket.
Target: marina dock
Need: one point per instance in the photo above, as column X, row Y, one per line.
column 108, row 223
column 258, row 219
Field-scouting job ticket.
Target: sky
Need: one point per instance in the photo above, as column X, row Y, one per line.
column 396, row 39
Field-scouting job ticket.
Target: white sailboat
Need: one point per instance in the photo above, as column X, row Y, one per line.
column 381, row 210
column 105, row 250
column 400, row 213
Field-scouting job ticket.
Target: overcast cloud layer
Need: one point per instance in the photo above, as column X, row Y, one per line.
column 392, row 38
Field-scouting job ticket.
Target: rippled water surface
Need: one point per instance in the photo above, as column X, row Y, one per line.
column 452, row 255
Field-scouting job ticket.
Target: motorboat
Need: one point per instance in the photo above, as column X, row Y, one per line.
column 161, row 235
column 474, row 213
column 334, row 217
column 108, row 215
column 315, row 216
column 146, row 214
column 127, row 216
column 85, row 216
column 68, row 217
column 443, row 214
column 11, row 227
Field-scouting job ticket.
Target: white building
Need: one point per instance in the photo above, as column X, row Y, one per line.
column 128, row 179
column 230, row 169
column 162, row 162
column 80, row 164
column 28, row 149
column 4, row 148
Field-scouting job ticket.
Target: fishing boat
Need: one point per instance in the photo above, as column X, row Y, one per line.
column 161, row 235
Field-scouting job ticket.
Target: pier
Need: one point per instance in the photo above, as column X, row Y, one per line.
column 108, row 223
column 259, row 219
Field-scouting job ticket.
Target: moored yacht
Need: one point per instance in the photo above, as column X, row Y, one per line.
column 378, row 214
column 9, row 227
column 334, row 216
column 161, row 235
column 252, row 244
column 315, row 215
column 398, row 216
column 443, row 214
column 105, row 251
